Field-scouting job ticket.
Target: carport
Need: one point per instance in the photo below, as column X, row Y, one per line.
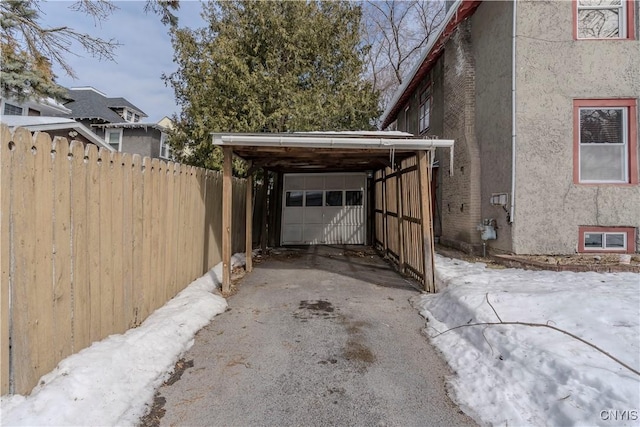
column 336, row 184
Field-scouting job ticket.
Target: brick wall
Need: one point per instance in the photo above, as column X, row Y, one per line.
column 460, row 203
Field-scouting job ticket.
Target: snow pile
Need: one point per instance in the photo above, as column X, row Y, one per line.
column 523, row 375
column 112, row 381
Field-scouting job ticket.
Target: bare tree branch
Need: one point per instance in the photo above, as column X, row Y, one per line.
column 538, row 325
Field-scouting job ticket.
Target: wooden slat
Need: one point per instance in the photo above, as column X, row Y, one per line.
column 80, row 283
column 126, row 162
column 138, row 261
column 43, row 285
column 169, row 226
column 93, row 240
column 226, row 219
column 147, row 231
column 427, row 232
column 175, row 233
column 106, row 248
column 6, row 213
column 154, row 266
column 401, row 238
column 117, row 242
column 24, row 343
column 62, row 291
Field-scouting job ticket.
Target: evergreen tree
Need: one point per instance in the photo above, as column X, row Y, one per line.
column 269, row 67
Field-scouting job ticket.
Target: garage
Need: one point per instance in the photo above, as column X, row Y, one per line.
column 324, row 209
column 338, row 188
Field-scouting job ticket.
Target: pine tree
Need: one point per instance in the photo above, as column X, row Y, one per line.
column 269, row 67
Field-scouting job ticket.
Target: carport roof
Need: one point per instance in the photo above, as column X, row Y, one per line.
column 326, row 151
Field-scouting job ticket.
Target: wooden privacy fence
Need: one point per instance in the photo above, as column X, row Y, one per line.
column 403, row 228
column 93, row 242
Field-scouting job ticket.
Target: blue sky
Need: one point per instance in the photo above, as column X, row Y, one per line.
column 145, row 53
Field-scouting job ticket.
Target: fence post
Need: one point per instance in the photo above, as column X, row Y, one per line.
column 227, row 212
column 249, row 221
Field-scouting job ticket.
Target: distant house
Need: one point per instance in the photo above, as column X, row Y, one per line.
column 32, row 107
column 43, row 115
column 118, row 121
column 541, row 98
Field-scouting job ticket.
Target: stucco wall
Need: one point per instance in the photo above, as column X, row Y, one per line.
column 491, row 35
column 553, row 69
column 145, row 142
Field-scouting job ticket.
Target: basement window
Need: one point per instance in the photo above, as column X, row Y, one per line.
column 607, row 239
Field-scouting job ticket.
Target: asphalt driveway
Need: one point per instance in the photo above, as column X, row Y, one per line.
column 315, row 336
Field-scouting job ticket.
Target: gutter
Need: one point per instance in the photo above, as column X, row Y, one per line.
column 329, row 142
column 512, row 208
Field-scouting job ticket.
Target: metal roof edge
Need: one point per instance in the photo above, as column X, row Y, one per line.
column 328, row 141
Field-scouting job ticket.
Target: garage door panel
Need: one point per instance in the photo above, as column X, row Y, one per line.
column 334, row 182
column 313, row 234
column 333, row 215
column 293, row 216
column 292, row 233
column 293, row 182
column 314, row 182
column 354, row 182
column 313, row 216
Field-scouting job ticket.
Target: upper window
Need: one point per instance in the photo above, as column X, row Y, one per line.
column 425, row 109
column 605, row 141
column 114, row 138
column 165, row 148
column 12, row 110
column 604, row 19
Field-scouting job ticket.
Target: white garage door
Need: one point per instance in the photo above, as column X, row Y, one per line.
column 324, row 209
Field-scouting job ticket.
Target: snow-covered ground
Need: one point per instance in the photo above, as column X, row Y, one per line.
column 504, row 375
column 111, row 382
column 519, row 375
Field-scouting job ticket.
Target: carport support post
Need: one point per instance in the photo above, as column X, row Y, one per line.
column 249, row 221
column 227, row 213
column 424, row 173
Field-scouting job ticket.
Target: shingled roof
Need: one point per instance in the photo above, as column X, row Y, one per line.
column 89, row 103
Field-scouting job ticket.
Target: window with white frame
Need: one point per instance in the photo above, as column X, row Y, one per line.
column 165, row 148
column 605, row 241
column 603, row 144
column 425, row 109
column 602, row 19
column 114, row 138
column 12, row 110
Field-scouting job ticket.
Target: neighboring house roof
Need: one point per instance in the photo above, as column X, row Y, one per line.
column 46, row 123
column 129, row 125
column 89, row 103
column 456, row 14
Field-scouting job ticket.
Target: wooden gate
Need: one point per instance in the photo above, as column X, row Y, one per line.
column 403, row 229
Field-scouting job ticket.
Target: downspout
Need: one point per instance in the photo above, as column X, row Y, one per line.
column 513, row 116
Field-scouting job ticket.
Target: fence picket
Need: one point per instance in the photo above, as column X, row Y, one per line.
column 81, row 334
column 93, row 239
column 137, row 264
column 62, row 292
column 117, row 241
column 6, row 198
